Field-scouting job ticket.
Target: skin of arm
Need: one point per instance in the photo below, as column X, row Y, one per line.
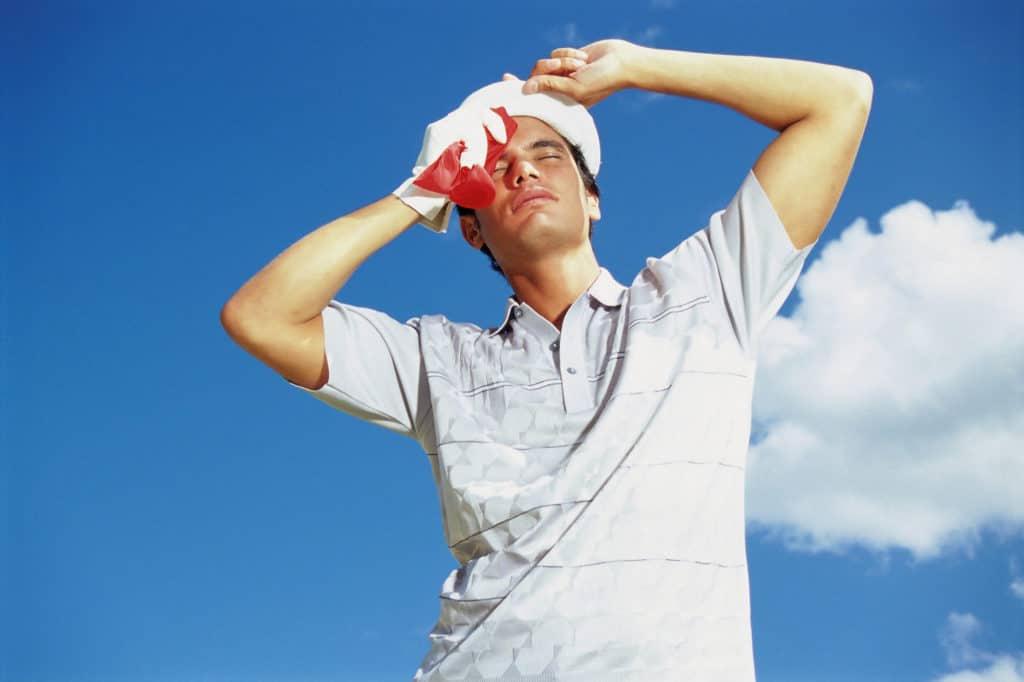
column 275, row 316
column 820, row 111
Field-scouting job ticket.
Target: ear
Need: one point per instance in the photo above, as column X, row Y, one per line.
column 593, row 207
column 471, row 231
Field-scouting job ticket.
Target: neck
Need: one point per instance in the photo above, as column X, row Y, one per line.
column 551, row 286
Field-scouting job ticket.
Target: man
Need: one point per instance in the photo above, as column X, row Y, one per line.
column 590, row 450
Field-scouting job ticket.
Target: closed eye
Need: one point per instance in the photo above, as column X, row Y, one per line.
column 500, row 169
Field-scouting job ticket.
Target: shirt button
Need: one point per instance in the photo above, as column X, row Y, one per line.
column 554, row 345
column 517, row 312
column 571, row 370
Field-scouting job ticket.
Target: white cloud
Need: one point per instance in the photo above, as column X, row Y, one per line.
column 646, row 36
column 1002, row 669
column 649, row 35
column 1017, row 582
column 567, row 36
column 891, row 402
column 906, row 84
column 638, row 100
column 957, row 638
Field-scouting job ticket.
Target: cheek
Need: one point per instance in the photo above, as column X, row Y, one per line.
column 498, row 211
column 486, row 219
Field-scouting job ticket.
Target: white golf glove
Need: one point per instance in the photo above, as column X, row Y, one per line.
column 455, row 164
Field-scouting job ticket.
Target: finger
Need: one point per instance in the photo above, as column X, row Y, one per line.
column 476, row 148
column 495, row 126
column 560, row 65
column 562, row 84
column 569, row 53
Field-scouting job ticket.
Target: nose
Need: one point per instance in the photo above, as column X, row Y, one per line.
column 523, row 171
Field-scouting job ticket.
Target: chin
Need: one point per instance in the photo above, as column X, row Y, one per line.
column 547, row 235
column 538, row 217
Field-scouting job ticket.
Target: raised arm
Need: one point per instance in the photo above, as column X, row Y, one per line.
column 275, row 316
column 820, row 111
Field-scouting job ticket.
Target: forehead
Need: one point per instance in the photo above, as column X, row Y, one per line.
column 530, row 129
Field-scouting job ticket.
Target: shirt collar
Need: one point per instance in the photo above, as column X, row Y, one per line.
column 605, row 290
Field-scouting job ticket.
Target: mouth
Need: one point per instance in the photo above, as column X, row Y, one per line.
column 531, row 196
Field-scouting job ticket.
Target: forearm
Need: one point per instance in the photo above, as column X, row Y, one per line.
column 296, row 285
column 772, row 91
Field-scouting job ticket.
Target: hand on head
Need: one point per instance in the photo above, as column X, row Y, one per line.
column 588, row 75
column 459, row 151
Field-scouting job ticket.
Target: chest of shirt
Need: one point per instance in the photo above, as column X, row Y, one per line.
column 600, row 352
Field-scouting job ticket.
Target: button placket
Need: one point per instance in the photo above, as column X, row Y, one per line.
column 572, row 358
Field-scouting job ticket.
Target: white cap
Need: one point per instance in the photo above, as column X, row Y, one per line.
column 567, row 116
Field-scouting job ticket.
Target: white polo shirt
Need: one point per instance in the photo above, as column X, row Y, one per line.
column 591, row 480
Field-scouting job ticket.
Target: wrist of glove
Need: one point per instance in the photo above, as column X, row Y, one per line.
column 435, row 209
column 455, row 164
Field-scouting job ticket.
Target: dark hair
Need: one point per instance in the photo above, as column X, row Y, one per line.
column 589, row 184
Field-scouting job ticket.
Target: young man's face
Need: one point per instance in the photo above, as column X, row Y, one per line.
column 540, row 206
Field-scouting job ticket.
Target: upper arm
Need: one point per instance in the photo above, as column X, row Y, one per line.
column 748, row 261
column 804, row 170
column 305, row 362
column 296, row 352
column 358, row 360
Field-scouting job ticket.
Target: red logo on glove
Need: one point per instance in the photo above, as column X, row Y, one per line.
column 470, row 187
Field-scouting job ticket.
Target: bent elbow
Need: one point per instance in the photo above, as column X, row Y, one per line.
column 864, row 88
column 235, row 321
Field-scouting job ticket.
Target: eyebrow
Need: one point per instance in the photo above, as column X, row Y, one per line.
column 540, row 144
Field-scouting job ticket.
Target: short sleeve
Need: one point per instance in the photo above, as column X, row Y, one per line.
column 375, row 370
column 750, row 259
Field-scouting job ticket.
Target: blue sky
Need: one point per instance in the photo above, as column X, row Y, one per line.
column 177, row 512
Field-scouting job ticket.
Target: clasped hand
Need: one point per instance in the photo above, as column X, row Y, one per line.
column 588, row 75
